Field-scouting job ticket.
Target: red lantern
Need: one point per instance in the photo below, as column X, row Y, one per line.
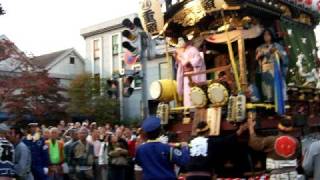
column 308, row 3
column 285, row 146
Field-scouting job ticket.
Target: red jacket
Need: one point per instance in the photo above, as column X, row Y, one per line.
column 132, row 148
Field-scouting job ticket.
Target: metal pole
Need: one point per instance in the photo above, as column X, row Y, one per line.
column 121, row 103
column 143, row 59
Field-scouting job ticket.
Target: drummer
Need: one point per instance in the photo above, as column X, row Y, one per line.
column 204, row 151
column 281, row 149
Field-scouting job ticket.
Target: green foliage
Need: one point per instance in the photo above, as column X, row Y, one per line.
column 88, row 97
column 32, row 93
column 296, row 46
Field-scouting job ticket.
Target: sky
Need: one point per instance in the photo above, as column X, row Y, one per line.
column 43, row 26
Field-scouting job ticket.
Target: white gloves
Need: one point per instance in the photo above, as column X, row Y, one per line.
column 46, row 170
column 164, row 139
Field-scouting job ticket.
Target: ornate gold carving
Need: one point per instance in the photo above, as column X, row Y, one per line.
column 192, row 13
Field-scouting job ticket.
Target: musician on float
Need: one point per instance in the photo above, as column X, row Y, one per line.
column 281, row 149
column 188, row 59
column 205, row 151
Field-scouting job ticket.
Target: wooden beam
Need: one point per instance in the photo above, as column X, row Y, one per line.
column 243, row 65
column 222, row 68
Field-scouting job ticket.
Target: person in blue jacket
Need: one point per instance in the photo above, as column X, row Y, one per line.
column 39, row 153
column 156, row 159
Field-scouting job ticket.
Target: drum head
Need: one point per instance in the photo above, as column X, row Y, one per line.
column 155, row 90
column 218, row 94
column 198, row 97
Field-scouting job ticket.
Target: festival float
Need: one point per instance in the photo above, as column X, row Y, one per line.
column 231, row 69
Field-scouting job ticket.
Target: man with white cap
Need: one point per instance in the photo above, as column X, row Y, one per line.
column 39, row 153
column 6, row 154
column 157, row 159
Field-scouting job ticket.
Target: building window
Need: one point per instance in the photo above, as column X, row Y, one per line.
column 115, row 44
column 116, row 64
column 163, row 70
column 96, row 82
column 71, row 60
column 137, row 82
column 96, row 49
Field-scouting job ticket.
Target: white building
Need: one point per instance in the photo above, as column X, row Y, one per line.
column 104, row 56
column 63, row 65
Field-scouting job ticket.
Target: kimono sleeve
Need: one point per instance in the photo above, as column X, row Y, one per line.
column 284, row 58
column 195, row 57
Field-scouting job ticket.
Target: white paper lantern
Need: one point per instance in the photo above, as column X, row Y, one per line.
column 151, row 16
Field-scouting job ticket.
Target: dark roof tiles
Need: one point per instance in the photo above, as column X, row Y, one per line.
column 46, row 59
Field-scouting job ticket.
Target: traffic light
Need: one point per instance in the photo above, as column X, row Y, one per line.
column 1, row 10
column 133, row 43
column 113, row 88
column 127, row 89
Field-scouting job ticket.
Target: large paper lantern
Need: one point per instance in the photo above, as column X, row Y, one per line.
column 151, row 16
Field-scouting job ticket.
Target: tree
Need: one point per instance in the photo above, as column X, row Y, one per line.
column 28, row 90
column 89, row 97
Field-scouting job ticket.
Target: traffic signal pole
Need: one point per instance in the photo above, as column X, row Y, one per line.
column 136, row 45
column 143, row 59
column 121, row 103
